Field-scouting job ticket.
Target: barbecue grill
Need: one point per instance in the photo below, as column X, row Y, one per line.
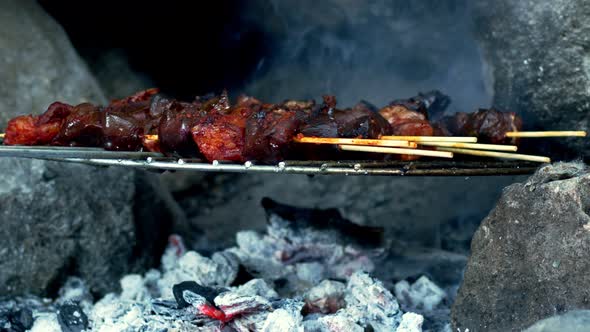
column 157, row 161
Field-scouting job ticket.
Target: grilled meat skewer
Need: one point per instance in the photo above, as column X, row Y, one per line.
column 248, row 130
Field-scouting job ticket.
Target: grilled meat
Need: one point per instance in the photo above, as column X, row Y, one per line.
column 83, row 127
column 362, row 121
column 127, row 121
column 37, row 130
column 221, row 136
column 248, row 130
column 174, row 128
column 269, row 133
column 489, row 125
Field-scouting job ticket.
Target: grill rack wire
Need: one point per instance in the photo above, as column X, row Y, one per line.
column 159, row 162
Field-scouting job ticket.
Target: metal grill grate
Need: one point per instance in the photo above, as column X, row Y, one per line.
column 156, row 161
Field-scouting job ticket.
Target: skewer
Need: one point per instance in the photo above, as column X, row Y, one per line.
column 579, row 133
column 476, row 146
column 355, row 141
column 151, row 137
column 432, row 138
column 495, row 154
column 323, row 140
column 415, row 152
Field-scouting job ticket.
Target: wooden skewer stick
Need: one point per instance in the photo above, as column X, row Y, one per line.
column 504, row 155
column 432, row 138
column 579, row 133
column 355, row 141
column 415, row 152
column 476, row 146
column 151, row 137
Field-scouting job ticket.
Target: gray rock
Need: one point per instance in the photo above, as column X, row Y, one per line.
column 64, row 219
column 60, row 220
column 529, row 256
column 572, row 321
column 538, row 61
column 38, row 65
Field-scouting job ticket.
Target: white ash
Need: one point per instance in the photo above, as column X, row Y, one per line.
column 219, row 270
column 234, row 303
column 421, row 295
column 325, row 298
column 302, row 256
column 332, row 323
column 292, row 290
column 287, row 317
column 411, row 322
column 257, row 287
column 428, row 299
column 369, row 303
column 46, row 322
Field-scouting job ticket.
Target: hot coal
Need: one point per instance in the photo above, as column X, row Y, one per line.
column 72, row 318
column 208, row 293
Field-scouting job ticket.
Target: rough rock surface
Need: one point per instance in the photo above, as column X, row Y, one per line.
column 571, row 321
column 538, row 60
column 74, row 220
column 529, row 256
column 38, row 65
column 65, row 219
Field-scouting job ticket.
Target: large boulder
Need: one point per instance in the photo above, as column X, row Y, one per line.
column 538, row 60
column 61, row 219
column 529, row 257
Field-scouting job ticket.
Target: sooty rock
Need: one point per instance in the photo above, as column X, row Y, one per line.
column 529, row 257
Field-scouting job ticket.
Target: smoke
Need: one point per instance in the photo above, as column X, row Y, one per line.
column 374, row 50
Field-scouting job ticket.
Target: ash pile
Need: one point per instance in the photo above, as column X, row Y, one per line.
column 311, row 270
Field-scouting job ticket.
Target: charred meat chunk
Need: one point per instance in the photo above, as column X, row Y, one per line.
column 221, row 136
column 406, row 121
column 37, row 130
column 127, row 123
column 359, row 122
column 124, row 131
column 409, row 117
column 489, row 125
column 83, row 127
column 174, row 129
column 432, row 104
column 139, row 97
column 269, row 133
column 21, row 130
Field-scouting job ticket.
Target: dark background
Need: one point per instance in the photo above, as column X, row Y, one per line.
column 185, row 47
